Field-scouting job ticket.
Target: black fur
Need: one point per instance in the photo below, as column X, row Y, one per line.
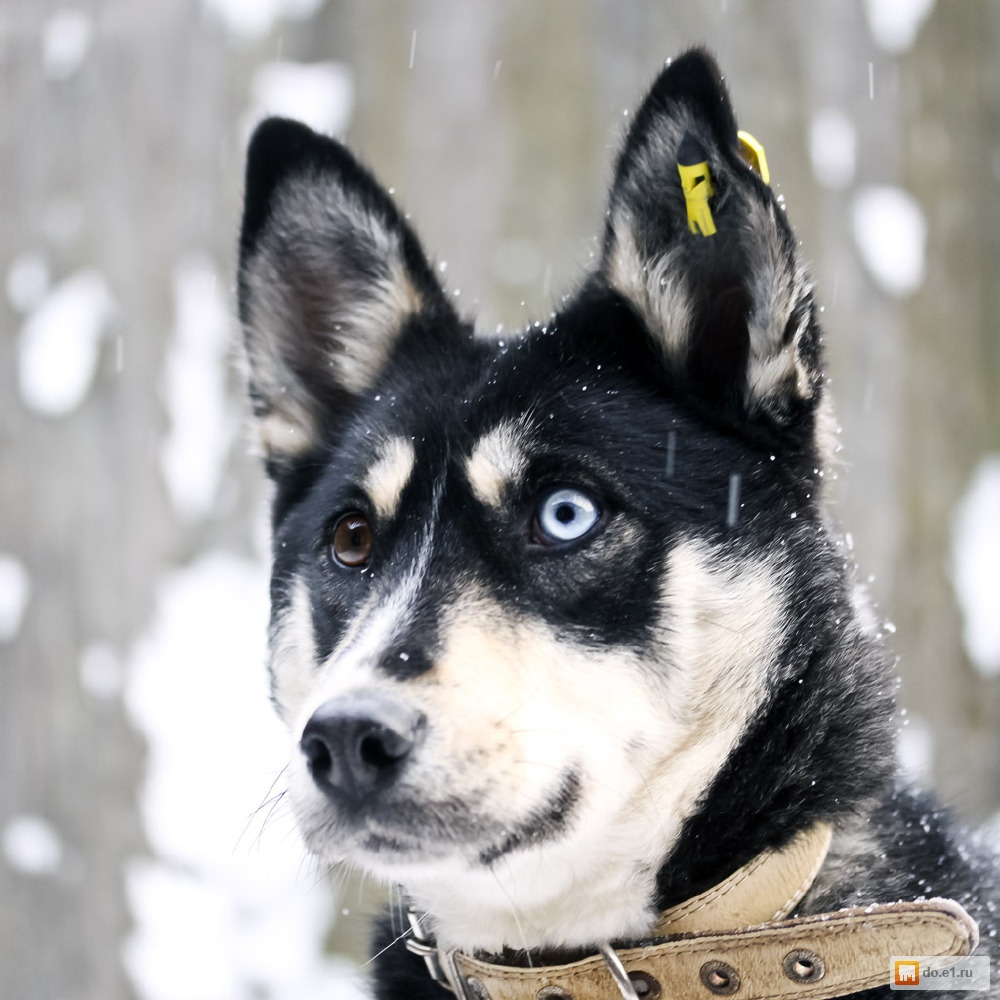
column 656, row 424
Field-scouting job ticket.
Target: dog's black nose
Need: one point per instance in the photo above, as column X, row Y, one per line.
column 357, row 745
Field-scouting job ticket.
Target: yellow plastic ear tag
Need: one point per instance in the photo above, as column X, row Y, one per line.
column 753, row 152
column 696, row 183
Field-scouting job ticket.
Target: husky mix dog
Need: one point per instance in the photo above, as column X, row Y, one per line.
column 564, row 637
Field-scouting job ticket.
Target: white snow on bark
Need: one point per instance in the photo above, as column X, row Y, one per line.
column 228, row 902
column 31, row 845
column 27, row 281
column 66, row 37
column 975, row 566
column 916, row 750
column 15, row 592
column 320, row 94
column 59, row 344
column 102, row 673
column 249, row 20
column 895, row 23
column 201, row 425
column 833, row 148
column 890, row 233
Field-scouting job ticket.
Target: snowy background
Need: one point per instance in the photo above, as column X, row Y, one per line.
column 144, row 848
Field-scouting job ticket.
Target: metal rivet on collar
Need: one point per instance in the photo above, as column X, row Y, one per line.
column 720, row 978
column 553, row 993
column 803, row 966
column 645, row 985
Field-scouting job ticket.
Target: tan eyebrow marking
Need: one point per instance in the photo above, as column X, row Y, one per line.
column 386, row 478
column 497, row 459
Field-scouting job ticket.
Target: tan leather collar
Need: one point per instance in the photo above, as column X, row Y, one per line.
column 806, row 958
column 732, row 937
column 768, row 887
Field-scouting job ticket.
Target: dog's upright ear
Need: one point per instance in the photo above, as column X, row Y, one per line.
column 730, row 311
column 331, row 277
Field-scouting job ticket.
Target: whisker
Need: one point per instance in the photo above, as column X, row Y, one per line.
column 399, row 937
column 515, row 913
column 269, row 802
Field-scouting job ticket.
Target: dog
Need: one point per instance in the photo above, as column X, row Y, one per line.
column 567, row 643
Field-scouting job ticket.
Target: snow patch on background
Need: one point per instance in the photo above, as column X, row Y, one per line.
column 321, row 94
column 15, row 592
column 27, row 281
column 916, row 750
column 31, row 846
column 975, row 566
column 202, row 427
column 228, row 909
column 989, row 833
column 833, row 148
column 66, row 37
column 249, row 20
column 59, row 344
column 895, row 23
column 102, row 673
column 890, row 233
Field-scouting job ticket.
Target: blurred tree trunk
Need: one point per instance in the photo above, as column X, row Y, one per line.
column 950, row 95
column 115, row 166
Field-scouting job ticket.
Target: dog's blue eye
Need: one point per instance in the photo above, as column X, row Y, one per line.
column 565, row 515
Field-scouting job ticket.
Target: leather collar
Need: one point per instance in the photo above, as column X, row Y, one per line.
column 732, row 938
column 768, row 887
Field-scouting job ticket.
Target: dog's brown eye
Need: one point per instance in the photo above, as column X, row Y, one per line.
column 353, row 540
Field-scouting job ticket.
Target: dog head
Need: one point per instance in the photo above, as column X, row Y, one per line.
column 529, row 594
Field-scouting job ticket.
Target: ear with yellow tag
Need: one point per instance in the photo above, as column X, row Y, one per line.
column 698, row 244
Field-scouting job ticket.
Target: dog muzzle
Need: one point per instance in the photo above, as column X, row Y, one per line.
column 735, row 939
